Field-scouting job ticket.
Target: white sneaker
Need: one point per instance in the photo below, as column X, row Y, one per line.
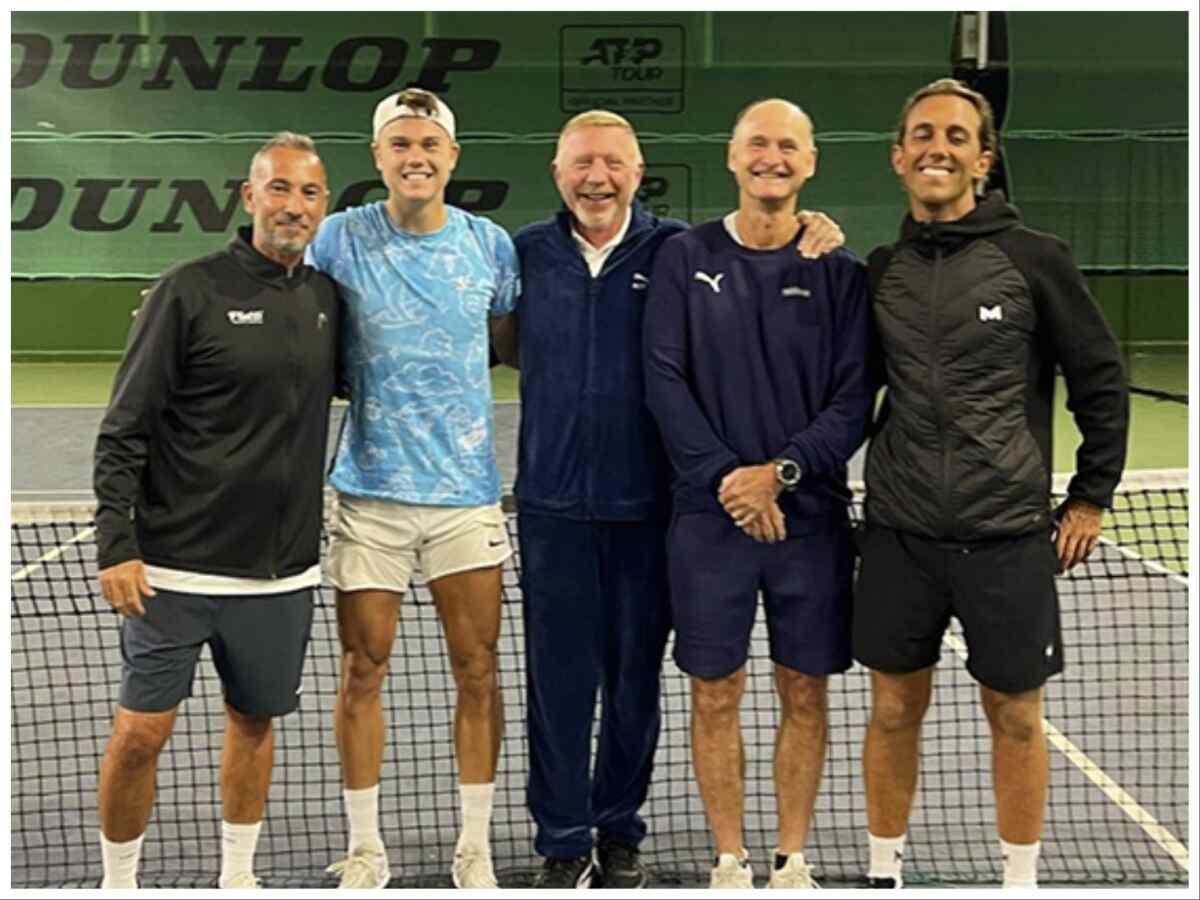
column 365, row 868
column 732, row 872
column 791, row 872
column 473, row 868
column 242, row 881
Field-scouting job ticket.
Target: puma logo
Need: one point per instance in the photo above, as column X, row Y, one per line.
column 713, row 281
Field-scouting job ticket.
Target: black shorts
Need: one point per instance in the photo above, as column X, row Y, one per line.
column 257, row 642
column 1002, row 591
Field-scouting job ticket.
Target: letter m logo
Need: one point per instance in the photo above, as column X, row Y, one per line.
column 991, row 313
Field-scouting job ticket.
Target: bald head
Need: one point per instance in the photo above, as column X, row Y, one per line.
column 771, row 154
column 777, row 112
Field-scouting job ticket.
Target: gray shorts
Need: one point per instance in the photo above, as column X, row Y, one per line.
column 257, row 643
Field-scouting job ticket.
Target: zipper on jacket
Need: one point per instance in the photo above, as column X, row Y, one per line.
column 589, row 393
column 939, row 399
column 293, row 369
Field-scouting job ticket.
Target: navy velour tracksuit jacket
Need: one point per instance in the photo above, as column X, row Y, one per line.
column 589, row 448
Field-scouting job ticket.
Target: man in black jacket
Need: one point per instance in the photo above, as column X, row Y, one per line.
column 208, row 477
column 974, row 312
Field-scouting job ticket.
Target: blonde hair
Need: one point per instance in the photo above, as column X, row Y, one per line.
column 597, row 118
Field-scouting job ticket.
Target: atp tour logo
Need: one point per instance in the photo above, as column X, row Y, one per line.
column 627, row 68
column 667, row 190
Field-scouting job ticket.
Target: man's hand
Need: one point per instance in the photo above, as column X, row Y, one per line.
column 1078, row 532
column 748, row 492
column 124, row 585
column 767, row 528
column 821, row 234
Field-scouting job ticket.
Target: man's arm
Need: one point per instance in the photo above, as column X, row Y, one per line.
column 145, row 380
column 1097, row 396
column 696, row 452
column 503, row 330
column 839, row 429
column 819, row 235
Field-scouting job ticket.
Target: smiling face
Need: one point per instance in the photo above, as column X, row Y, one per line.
column 416, row 158
column 598, row 169
column 286, row 195
column 941, row 158
column 771, row 154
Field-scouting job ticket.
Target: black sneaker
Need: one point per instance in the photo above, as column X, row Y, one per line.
column 620, row 866
column 565, row 873
column 877, row 884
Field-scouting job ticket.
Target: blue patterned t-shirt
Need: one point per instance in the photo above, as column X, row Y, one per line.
column 415, row 348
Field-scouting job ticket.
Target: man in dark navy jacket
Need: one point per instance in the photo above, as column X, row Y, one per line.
column 593, row 505
column 756, row 370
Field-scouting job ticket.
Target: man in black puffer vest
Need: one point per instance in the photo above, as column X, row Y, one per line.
column 974, row 312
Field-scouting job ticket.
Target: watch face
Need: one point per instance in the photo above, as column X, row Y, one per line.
column 789, row 472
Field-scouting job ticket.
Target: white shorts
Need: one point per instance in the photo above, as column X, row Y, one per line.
column 376, row 544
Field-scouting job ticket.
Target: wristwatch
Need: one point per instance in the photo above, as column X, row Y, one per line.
column 788, row 473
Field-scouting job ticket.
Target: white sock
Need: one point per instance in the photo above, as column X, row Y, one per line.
column 237, row 849
column 120, row 861
column 1020, row 864
column 476, row 814
column 887, row 856
column 362, row 808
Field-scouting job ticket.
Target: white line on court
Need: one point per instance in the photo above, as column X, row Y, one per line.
column 1117, row 794
column 1154, row 567
column 80, row 492
column 17, row 406
column 52, row 555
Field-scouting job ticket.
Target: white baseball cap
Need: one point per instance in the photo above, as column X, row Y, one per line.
column 413, row 103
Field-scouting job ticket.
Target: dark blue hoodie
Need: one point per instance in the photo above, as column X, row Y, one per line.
column 588, row 448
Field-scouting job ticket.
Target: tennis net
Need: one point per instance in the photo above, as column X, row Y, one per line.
column 1117, row 720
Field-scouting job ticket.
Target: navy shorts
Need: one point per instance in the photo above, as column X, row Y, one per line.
column 257, row 643
column 716, row 573
column 1002, row 591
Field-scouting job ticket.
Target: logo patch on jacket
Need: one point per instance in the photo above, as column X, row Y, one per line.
column 245, row 316
column 322, row 320
column 713, row 281
column 794, row 291
column 991, row 313
column 640, row 282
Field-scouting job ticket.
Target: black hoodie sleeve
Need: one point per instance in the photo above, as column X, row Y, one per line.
column 1086, row 351
column 145, row 380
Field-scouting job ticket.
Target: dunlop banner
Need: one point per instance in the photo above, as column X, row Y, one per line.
column 504, row 73
column 138, row 207
column 142, row 207
column 131, row 131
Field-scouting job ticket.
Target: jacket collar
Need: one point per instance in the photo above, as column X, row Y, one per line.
column 639, row 221
column 991, row 215
column 241, row 247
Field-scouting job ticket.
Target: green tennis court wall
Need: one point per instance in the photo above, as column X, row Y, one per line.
column 132, row 131
column 84, row 319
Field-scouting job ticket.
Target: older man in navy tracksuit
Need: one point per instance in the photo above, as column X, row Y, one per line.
column 592, row 494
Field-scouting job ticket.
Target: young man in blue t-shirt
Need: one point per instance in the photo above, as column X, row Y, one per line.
column 756, row 370
column 415, row 471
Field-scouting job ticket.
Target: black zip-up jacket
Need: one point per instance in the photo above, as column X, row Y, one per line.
column 973, row 316
column 215, row 434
